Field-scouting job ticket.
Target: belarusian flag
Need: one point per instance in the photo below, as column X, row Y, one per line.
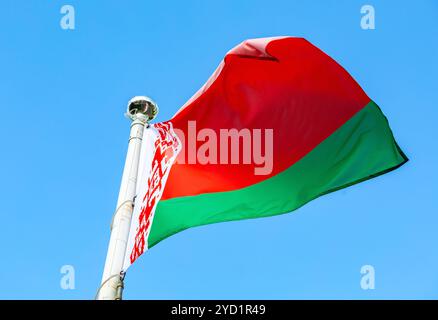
column 278, row 124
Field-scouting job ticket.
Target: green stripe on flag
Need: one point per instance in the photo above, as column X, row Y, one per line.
column 362, row 148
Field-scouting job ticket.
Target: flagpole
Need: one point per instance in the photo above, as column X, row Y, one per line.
column 140, row 110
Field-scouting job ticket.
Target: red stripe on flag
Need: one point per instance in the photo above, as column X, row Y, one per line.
column 297, row 90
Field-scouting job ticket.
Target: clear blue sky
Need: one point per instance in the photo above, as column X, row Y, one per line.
column 63, row 140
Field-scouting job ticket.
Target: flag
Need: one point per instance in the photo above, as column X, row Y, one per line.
column 278, row 124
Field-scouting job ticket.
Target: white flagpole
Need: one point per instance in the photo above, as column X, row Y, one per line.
column 140, row 110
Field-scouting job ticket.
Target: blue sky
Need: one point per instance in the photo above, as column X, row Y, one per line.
column 63, row 139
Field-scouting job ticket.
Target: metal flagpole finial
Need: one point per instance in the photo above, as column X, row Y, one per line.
column 142, row 105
